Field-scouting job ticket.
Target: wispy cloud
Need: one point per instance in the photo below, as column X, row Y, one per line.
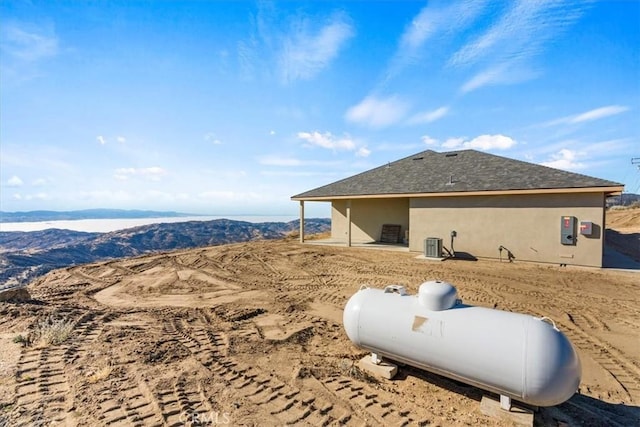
column 28, row 42
column 101, row 139
column 153, row 173
column 436, row 20
column 306, row 52
column 587, row 116
column 327, row 140
column 564, row 159
column 297, row 47
column 363, row 152
column 428, row 116
column 482, row 142
column 121, row 139
column 24, row 47
column 378, row 112
column 29, row 197
column 520, row 33
column 14, row 181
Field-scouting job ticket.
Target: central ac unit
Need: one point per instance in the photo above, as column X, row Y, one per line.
column 433, row 247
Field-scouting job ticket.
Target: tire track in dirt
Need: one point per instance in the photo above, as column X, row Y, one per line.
column 121, row 397
column 277, row 401
column 42, row 389
column 364, row 400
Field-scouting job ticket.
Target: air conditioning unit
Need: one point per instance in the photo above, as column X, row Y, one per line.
column 433, row 247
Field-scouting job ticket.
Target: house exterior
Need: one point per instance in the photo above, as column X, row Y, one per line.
column 479, row 204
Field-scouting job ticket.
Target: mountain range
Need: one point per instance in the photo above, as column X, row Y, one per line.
column 34, row 216
column 27, row 255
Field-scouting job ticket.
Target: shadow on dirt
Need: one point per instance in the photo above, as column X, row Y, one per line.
column 580, row 410
column 621, row 250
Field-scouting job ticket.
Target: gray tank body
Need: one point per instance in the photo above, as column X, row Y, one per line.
column 516, row 355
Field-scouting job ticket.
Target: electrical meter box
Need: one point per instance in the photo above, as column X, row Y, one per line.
column 568, row 230
column 586, row 228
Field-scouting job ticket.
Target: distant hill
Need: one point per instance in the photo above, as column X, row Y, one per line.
column 34, row 216
column 27, row 255
column 626, row 199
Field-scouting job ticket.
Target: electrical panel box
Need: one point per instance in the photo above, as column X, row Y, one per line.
column 586, row 228
column 568, row 230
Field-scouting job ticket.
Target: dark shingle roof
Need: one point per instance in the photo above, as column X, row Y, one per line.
column 452, row 172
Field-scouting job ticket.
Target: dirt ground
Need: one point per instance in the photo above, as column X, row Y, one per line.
column 251, row 334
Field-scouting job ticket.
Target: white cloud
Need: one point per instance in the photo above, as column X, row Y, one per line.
column 121, row 139
column 595, row 114
column 305, row 53
column 453, row 143
column 564, row 159
column 14, row 181
column 429, row 140
column 272, row 132
column 490, row 142
column 377, row 113
column 429, row 116
column 39, row 182
column 153, row 173
column 327, row 140
column 28, row 42
column 101, row 139
column 363, row 152
column 482, row 142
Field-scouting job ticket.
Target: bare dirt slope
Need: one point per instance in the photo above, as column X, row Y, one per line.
column 251, row 334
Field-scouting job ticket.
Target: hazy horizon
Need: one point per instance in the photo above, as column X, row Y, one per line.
column 106, row 225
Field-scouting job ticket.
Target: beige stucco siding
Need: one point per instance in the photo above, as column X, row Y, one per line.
column 527, row 225
column 367, row 218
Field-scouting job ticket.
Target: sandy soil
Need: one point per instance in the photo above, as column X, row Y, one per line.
column 251, row 334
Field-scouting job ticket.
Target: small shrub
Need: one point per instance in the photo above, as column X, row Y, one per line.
column 51, row 331
column 101, row 374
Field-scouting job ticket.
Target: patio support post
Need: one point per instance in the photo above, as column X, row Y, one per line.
column 349, row 223
column 301, row 221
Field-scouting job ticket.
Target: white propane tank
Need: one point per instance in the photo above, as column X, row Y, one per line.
column 515, row 355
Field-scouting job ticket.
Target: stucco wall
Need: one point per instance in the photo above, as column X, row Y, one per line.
column 527, row 225
column 367, row 218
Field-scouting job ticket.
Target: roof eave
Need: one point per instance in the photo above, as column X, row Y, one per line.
column 608, row 191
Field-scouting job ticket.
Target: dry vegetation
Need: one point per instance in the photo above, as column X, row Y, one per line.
column 251, row 334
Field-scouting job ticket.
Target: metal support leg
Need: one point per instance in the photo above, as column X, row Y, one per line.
column 505, row 403
column 376, row 359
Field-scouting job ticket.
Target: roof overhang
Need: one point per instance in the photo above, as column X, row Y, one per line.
column 608, row 191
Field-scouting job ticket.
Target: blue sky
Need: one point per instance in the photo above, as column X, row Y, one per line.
column 233, row 107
